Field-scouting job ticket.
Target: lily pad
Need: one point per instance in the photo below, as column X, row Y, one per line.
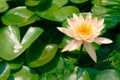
column 108, row 74
column 17, row 63
column 56, row 11
column 3, row 6
column 41, row 58
column 25, row 73
column 78, row 1
column 10, row 41
column 32, row 2
column 4, row 70
column 19, row 16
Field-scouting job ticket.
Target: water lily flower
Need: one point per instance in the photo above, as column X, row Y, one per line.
column 84, row 31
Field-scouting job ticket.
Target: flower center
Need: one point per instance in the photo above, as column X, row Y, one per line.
column 84, row 30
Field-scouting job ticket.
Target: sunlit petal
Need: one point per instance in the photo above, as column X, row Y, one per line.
column 88, row 18
column 81, row 18
column 90, row 51
column 74, row 44
column 100, row 22
column 65, row 31
column 71, row 23
column 100, row 25
column 76, row 18
column 68, row 32
column 94, row 21
column 101, row 40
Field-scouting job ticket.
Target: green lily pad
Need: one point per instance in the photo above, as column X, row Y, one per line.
column 3, row 6
column 19, row 16
column 47, row 77
column 78, row 1
column 41, row 58
column 60, row 3
column 92, row 72
column 32, row 2
column 108, row 74
column 65, row 12
column 56, row 12
column 51, row 66
column 10, row 41
column 25, row 73
column 9, row 36
column 4, row 70
column 48, row 14
column 78, row 74
column 17, row 63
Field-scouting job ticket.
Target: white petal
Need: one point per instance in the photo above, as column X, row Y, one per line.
column 65, row 31
column 76, row 18
column 100, row 22
column 90, row 51
column 88, row 18
column 99, row 26
column 94, row 21
column 71, row 23
column 74, row 44
column 101, row 40
column 68, row 32
column 81, row 18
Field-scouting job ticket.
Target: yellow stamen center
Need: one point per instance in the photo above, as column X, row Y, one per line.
column 84, row 30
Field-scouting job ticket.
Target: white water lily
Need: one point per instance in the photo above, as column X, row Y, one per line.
column 84, row 31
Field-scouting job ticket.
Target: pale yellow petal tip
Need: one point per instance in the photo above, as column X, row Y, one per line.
column 110, row 41
column 107, row 41
column 58, row 28
column 63, row 50
column 102, row 20
column 75, row 15
column 95, row 60
column 89, row 13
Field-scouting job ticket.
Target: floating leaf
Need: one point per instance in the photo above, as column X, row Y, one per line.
column 108, row 74
column 25, row 73
column 78, row 1
column 19, row 16
column 3, row 6
column 41, row 58
column 92, row 72
column 51, row 66
column 47, row 77
column 9, row 36
column 65, row 12
column 10, row 41
column 60, row 3
column 17, row 63
column 106, row 3
column 4, row 70
column 32, row 2
column 56, row 12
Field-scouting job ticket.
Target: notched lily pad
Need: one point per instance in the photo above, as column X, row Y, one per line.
column 11, row 47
